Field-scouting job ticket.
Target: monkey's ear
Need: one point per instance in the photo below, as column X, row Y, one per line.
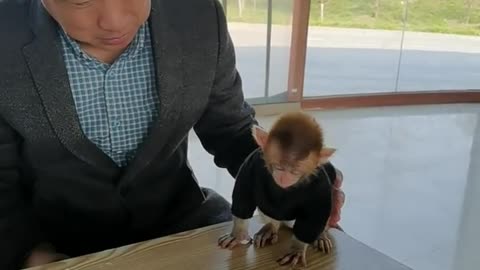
column 260, row 135
column 326, row 154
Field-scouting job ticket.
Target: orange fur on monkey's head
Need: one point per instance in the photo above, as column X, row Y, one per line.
column 293, row 148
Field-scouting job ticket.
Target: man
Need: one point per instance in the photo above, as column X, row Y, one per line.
column 96, row 101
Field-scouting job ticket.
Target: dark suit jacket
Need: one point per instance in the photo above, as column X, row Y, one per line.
column 55, row 183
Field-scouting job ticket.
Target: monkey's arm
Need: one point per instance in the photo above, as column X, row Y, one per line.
column 313, row 221
column 308, row 229
column 224, row 128
column 309, row 225
column 243, row 204
column 312, row 225
column 243, row 196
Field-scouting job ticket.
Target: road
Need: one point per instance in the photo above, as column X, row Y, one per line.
column 348, row 61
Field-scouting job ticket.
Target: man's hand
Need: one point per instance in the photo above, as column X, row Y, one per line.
column 43, row 254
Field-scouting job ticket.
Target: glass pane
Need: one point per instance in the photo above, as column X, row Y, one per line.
column 442, row 46
column 247, row 22
column 353, row 47
column 280, row 50
column 262, row 38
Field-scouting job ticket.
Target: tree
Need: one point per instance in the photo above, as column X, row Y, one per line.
column 241, row 5
column 469, row 5
column 377, row 8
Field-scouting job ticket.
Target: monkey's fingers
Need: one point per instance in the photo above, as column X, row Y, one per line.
column 257, row 238
column 223, row 238
column 233, row 243
column 300, row 257
column 226, row 241
column 304, row 259
column 324, row 245
column 262, row 238
column 274, row 238
column 292, row 259
column 285, row 259
column 266, row 237
column 328, row 245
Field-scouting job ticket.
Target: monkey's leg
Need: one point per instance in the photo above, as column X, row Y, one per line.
column 296, row 253
column 239, row 234
column 268, row 234
column 323, row 243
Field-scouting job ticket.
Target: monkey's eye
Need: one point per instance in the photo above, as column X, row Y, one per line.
column 296, row 172
column 278, row 167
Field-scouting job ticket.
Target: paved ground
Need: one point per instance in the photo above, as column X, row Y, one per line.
column 347, row 61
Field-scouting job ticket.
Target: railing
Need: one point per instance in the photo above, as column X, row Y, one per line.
column 386, row 52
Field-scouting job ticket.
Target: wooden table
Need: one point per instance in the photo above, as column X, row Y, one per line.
column 198, row 250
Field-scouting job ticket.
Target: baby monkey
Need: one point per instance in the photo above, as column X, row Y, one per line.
column 295, row 187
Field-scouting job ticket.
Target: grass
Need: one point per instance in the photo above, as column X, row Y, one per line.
column 440, row 16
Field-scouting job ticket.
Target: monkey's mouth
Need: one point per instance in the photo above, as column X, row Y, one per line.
column 285, row 184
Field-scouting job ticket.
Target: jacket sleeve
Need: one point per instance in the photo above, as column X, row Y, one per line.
column 18, row 231
column 225, row 127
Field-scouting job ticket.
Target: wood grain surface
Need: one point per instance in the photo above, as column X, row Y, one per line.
column 198, row 250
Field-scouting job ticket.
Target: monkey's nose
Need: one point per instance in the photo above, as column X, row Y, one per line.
column 284, row 181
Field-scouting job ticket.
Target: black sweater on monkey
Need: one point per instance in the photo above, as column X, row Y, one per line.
column 309, row 203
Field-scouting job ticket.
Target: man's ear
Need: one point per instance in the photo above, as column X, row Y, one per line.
column 326, row 154
column 260, row 135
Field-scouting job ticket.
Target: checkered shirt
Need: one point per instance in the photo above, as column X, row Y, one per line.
column 118, row 103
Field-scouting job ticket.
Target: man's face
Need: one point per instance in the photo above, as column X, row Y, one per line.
column 108, row 25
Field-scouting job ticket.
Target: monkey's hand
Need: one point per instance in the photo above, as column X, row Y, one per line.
column 323, row 243
column 231, row 240
column 239, row 234
column 297, row 253
column 268, row 234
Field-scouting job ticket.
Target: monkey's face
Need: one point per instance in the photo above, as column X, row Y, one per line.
column 285, row 177
column 289, row 167
column 293, row 149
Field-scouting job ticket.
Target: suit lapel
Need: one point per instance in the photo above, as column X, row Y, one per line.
column 45, row 61
column 170, row 77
